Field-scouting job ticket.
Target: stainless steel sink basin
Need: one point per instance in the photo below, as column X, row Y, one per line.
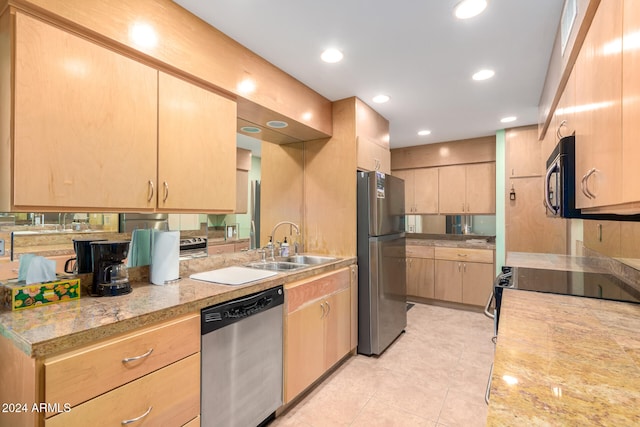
column 276, row 265
column 310, row 259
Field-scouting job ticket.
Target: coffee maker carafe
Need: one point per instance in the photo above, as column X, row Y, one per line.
column 110, row 276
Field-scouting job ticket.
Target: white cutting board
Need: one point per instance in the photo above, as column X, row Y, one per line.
column 233, row 275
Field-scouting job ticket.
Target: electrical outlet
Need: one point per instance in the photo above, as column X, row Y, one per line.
column 1, row 247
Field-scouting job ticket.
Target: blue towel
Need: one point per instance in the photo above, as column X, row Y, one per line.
column 140, row 249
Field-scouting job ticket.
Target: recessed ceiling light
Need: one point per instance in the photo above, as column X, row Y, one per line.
column 250, row 129
column 332, row 56
column 469, row 8
column 381, row 99
column 509, row 119
column 424, row 132
column 277, row 124
column 483, row 75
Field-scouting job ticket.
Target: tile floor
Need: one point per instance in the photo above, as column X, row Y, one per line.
column 434, row 374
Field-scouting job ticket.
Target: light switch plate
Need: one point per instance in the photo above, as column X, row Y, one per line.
column 1, row 247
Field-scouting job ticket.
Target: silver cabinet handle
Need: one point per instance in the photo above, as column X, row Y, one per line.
column 459, row 265
column 166, row 191
column 133, row 420
column 328, row 307
column 462, row 255
column 323, row 312
column 464, row 267
column 134, row 358
column 559, row 130
column 586, row 181
column 151, row 191
column 463, row 207
column 582, row 186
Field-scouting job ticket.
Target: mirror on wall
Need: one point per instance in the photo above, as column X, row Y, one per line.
column 480, row 225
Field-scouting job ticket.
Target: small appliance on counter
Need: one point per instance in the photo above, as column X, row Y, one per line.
column 83, row 263
column 110, row 275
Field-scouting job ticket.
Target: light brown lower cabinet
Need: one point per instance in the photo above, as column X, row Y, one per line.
column 317, row 328
column 463, row 275
column 420, row 277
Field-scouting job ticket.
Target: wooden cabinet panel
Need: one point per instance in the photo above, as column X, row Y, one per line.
column 409, row 188
column 318, row 328
column 464, row 254
column 419, row 251
column 337, row 329
column 80, row 375
column 630, row 236
column 631, row 102
column 304, row 348
column 197, row 147
column 372, row 157
column 598, row 72
column 481, row 188
column 170, row 396
column 603, row 237
column 528, row 229
column 477, row 282
column 448, row 280
column 468, row 189
column 243, row 166
column 452, row 189
column 524, row 152
column 420, row 277
column 85, row 123
column 221, row 249
column 426, row 190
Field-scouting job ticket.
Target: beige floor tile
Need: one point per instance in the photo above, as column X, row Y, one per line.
column 378, row 413
column 433, row 374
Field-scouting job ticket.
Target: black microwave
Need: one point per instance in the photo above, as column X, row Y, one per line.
column 560, row 185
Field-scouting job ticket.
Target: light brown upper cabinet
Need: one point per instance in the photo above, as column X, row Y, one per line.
column 420, row 190
column 598, row 73
column 196, row 148
column 372, row 139
column 631, row 102
column 524, row 152
column 243, row 166
column 467, row 189
column 97, row 131
column 85, row 124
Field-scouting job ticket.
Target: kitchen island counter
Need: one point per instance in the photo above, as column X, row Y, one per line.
column 563, row 360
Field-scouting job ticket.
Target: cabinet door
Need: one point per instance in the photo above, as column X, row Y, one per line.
column 420, row 277
column 481, row 188
column 603, row 237
column 85, row 123
column 426, row 191
column 409, row 185
column 197, row 148
column 337, row 327
column 448, row 280
column 451, row 189
column 524, row 152
column 242, row 191
column 599, row 94
column 304, row 348
column 477, row 282
column 631, row 101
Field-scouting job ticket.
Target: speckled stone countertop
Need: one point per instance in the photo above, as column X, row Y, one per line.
column 477, row 243
column 563, row 360
column 47, row 330
column 553, row 262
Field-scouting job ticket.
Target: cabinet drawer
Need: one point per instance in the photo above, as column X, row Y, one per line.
column 420, row 251
column 77, row 376
column 171, row 395
column 464, row 254
column 304, row 291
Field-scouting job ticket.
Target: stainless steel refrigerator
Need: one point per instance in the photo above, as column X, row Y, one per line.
column 382, row 289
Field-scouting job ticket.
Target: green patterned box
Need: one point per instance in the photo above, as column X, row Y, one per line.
column 20, row 296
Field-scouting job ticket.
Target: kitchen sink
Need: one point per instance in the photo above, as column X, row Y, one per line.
column 276, row 265
column 310, row 259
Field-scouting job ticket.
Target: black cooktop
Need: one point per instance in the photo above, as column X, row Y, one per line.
column 584, row 284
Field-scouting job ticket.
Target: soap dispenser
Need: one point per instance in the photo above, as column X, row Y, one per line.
column 284, row 248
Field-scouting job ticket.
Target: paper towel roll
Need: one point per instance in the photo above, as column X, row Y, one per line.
column 165, row 257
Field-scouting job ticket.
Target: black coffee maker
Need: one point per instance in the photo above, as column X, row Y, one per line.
column 110, row 276
column 81, row 263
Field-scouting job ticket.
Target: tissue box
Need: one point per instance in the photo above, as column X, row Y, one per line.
column 20, row 296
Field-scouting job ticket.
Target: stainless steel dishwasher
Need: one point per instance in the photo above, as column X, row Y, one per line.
column 242, row 360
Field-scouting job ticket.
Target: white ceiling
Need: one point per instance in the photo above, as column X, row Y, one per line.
column 415, row 51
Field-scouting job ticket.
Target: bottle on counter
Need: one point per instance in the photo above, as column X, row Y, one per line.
column 284, row 248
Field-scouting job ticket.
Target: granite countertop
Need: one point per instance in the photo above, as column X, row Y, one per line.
column 564, row 360
column 47, row 330
column 553, row 262
column 477, row 243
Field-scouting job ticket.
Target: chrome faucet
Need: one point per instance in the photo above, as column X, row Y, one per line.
column 293, row 225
